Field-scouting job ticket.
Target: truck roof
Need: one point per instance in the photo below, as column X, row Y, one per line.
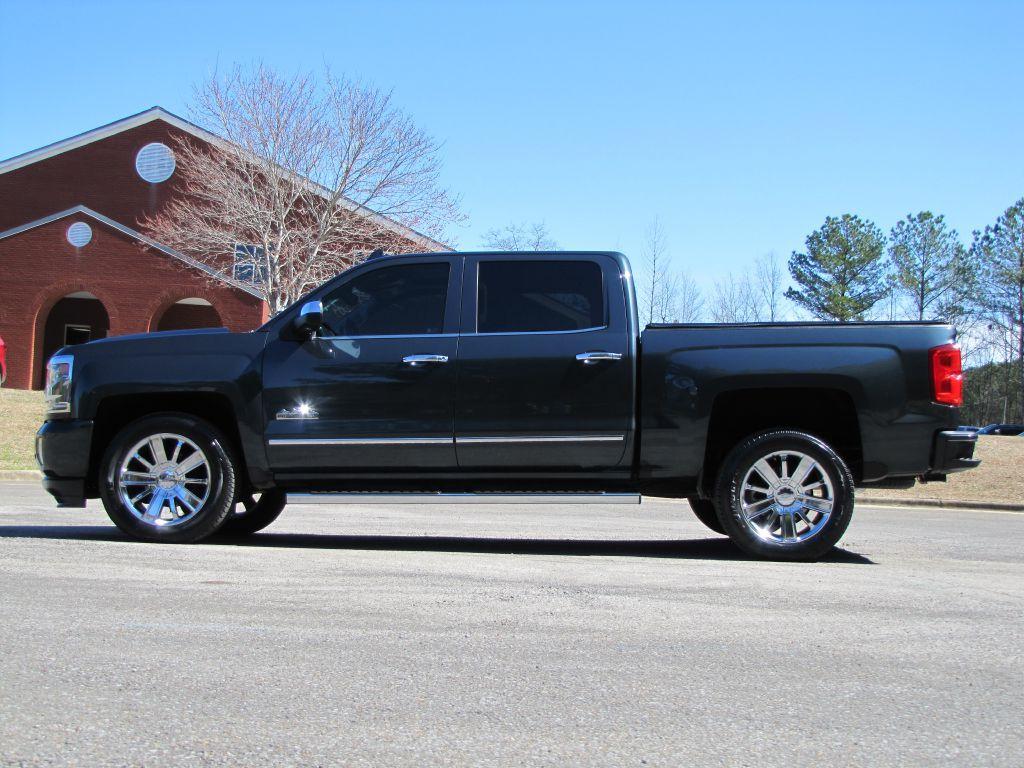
column 510, row 254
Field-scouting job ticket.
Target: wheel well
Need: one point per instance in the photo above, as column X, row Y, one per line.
column 825, row 413
column 116, row 412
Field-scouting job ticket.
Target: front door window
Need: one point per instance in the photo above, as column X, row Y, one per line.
column 403, row 300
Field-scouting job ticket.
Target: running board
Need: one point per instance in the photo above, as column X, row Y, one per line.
column 539, row 497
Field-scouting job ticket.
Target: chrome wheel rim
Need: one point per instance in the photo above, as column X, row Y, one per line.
column 164, row 480
column 786, row 497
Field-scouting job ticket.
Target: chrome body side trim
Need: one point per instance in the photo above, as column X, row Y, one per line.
column 506, row 440
column 360, row 441
column 537, row 333
column 390, row 336
column 541, row 439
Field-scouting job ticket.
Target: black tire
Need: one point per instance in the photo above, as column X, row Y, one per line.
column 729, row 490
column 254, row 515
column 705, row 511
column 220, row 477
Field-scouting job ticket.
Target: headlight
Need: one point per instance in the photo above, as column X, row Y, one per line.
column 58, row 383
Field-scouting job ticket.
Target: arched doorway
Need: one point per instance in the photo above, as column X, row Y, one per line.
column 188, row 313
column 76, row 318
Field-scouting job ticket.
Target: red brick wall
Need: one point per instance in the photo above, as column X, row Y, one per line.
column 136, row 285
column 100, row 175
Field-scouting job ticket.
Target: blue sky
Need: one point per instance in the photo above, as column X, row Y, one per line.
column 740, row 125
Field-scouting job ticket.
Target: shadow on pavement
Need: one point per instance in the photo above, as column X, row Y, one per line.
column 691, row 549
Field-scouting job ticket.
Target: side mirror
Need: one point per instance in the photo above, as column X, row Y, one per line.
column 309, row 319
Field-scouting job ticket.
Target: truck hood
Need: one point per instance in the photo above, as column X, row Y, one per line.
column 156, row 335
column 215, row 345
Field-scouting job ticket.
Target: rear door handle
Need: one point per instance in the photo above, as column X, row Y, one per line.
column 591, row 358
column 417, row 360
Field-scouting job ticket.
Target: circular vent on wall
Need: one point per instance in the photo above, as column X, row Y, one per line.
column 155, row 162
column 79, row 234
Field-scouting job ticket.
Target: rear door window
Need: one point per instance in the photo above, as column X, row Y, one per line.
column 532, row 296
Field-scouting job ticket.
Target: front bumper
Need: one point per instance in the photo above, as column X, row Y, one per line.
column 62, row 452
column 953, row 452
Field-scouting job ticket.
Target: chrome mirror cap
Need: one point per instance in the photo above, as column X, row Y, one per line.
column 312, row 308
column 309, row 319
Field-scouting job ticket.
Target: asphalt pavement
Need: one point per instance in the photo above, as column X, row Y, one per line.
column 508, row 635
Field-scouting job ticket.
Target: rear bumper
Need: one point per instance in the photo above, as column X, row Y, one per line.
column 953, row 452
column 62, row 451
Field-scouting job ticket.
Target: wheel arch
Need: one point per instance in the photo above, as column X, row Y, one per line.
column 115, row 412
column 826, row 412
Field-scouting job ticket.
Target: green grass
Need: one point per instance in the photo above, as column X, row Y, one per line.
column 21, row 414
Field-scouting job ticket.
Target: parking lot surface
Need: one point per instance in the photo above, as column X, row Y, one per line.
column 508, row 635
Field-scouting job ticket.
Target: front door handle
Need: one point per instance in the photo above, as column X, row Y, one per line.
column 592, row 358
column 417, row 360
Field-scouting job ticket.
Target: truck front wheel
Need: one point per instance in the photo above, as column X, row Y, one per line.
column 254, row 515
column 168, row 477
column 784, row 495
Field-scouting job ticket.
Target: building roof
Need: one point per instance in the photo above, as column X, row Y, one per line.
column 135, row 235
column 159, row 113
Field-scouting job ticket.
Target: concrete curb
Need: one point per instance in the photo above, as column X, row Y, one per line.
column 20, row 475
column 882, row 501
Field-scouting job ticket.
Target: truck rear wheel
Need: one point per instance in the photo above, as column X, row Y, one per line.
column 705, row 511
column 168, row 477
column 784, row 495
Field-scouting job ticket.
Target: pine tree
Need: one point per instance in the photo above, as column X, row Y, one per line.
column 842, row 275
column 999, row 251
column 931, row 268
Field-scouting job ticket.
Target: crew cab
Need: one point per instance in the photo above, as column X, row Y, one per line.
column 497, row 377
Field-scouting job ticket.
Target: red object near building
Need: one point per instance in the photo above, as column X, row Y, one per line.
column 75, row 265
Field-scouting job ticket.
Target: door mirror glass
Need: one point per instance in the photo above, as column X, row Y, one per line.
column 309, row 319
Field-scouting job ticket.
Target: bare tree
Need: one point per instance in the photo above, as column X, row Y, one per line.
column 753, row 296
column 305, row 176
column 770, row 286
column 689, row 303
column 736, row 300
column 520, row 237
column 665, row 295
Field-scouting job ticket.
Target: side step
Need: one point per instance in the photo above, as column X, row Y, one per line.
column 539, row 497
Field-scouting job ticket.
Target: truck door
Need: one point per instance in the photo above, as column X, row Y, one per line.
column 545, row 374
column 375, row 388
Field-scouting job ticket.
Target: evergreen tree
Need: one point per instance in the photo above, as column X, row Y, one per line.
column 1000, row 254
column 842, row 275
column 931, row 268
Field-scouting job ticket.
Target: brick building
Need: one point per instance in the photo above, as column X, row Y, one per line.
column 74, row 265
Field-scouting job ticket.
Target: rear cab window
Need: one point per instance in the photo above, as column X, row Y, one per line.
column 522, row 296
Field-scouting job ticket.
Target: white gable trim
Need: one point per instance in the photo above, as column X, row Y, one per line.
column 159, row 113
column 135, row 235
column 103, row 132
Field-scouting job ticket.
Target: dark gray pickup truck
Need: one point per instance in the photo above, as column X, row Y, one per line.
column 497, row 377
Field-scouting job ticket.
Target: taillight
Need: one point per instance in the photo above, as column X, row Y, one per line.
column 947, row 375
